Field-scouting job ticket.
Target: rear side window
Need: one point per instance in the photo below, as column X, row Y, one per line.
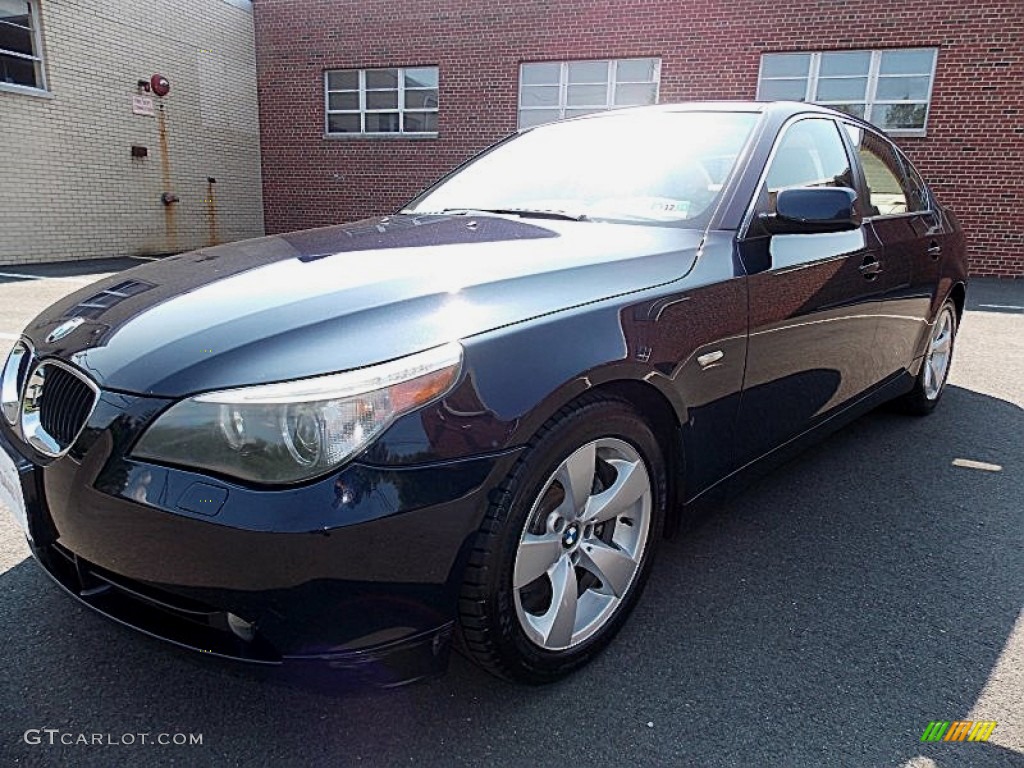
column 894, row 188
column 810, row 154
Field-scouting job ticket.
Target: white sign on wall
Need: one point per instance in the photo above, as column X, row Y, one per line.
column 142, row 105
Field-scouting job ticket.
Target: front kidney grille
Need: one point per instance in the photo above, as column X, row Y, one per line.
column 65, row 404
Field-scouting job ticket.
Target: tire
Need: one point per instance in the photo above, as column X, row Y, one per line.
column 525, row 620
column 931, row 380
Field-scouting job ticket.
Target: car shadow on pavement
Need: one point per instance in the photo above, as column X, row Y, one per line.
column 823, row 617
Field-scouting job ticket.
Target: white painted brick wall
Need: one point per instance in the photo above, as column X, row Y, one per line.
column 69, row 188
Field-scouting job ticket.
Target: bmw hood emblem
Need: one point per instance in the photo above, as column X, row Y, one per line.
column 64, row 329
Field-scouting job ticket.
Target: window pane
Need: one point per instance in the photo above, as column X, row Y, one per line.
column 343, row 124
column 791, row 90
column 382, row 99
column 421, row 99
column 785, row 64
column 635, row 94
column 588, row 71
column 18, row 39
column 903, row 88
column 386, row 122
column 899, row 115
column 581, row 112
column 636, row 70
column 857, row 110
column 881, row 171
column 811, row 154
column 343, row 101
column 917, row 192
column 343, row 80
column 420, row 122
column 539, row 96
column 18, row 71
column 845, row 63
column 15, row 12
column 421, row 77
column 842, row 89
column 908, row 62
column 542, row 74
column 531, row 117
column 382, row 78
column 587, row 95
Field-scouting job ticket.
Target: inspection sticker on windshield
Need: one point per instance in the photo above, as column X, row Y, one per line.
column 679, row 207
column 11, row 495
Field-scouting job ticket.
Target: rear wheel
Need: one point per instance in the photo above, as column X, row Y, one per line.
column 931, row 381
column 566, row 548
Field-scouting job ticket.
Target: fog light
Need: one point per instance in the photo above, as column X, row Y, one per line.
column 242, row 628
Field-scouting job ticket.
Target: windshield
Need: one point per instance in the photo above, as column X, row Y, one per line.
column 653, row 167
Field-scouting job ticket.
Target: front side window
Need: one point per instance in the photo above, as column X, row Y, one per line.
column 381, row 102
column 890, row 88
column 668, row 168
column 553, row 90
column 811, row 153
column 21, row 62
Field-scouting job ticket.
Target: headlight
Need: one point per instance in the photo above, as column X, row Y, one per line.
column 285, row 433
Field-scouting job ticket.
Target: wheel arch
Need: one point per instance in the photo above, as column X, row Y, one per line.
column 657, row 410
column 662, row 417
column 958, row 295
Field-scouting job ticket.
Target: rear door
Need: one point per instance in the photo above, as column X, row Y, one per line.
column 813, row 300
column 901, row 227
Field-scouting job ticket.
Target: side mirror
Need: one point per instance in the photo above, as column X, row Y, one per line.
column 813, row 209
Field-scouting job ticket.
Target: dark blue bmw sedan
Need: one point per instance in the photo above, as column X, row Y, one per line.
column 474, row 420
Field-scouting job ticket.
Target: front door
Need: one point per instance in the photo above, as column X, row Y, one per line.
column 813, row 301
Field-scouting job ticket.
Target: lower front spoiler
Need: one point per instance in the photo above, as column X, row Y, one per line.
column 208, row 632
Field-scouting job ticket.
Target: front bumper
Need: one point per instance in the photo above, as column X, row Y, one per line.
column 357, row 573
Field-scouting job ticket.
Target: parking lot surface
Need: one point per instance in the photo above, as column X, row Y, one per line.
column 822, row 618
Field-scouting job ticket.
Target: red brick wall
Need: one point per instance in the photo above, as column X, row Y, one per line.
column 710, row 49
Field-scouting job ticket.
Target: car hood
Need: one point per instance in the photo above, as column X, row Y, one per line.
column 332, row 299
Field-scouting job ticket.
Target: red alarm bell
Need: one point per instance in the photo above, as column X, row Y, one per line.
column 160, row 85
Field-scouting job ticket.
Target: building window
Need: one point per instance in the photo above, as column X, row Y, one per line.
column 890, row 88
column 21, row 61
column 381, row 102
column 553, row 90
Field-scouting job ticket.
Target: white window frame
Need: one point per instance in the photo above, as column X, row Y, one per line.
column 37, row 58
column 363, row 111
column 611, row 81
column 873, row 76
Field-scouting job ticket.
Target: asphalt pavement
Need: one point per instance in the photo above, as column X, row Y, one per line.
column 822, row 618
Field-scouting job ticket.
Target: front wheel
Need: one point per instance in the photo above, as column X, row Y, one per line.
column 564, row 552
column 931, row 381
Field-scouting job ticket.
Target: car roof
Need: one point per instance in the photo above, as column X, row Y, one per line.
column 779, row 109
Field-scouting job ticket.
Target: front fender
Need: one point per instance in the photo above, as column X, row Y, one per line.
column 516, row 378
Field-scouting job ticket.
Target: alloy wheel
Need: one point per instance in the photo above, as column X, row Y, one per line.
column 937, row 358
column 583, row 544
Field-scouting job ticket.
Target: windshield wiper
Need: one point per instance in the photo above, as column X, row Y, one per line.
column 526, row 213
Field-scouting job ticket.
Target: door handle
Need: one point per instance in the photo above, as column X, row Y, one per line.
column 870, row 268
column 934, row 249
